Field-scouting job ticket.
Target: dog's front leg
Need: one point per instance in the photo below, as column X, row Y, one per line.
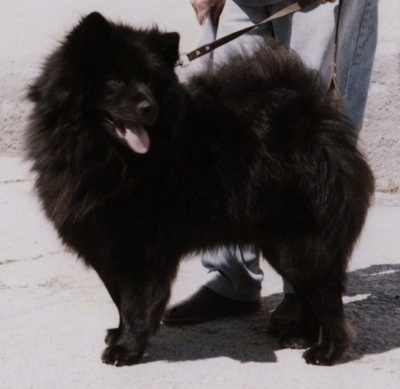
column 143, row 295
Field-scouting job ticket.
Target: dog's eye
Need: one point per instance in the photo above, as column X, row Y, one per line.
column 115, row 83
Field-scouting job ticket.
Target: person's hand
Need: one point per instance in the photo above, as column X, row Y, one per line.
column 202, row 7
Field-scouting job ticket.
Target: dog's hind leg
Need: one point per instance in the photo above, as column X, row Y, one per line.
column 318, row 279
column 303, row 332
column 336, row 334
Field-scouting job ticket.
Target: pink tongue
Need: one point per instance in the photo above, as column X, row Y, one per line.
column 136, row 137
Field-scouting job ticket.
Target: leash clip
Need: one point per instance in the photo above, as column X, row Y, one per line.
column 183, row 61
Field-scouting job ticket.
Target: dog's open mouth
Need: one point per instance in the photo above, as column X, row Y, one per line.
column 132, row 133
column 135, row 135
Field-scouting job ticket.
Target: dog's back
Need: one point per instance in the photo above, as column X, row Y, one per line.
column 285, row 155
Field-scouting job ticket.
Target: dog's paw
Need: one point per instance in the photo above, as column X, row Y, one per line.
column 320, row 354
column 294, row 341
column 112, row 336
column 120, row 356
column 297, row 339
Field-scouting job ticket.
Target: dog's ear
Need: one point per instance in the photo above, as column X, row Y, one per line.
column 94, row 23
column 169, row 47
column 92, row 30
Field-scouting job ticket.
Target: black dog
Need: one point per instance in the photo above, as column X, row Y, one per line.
column 136, row 170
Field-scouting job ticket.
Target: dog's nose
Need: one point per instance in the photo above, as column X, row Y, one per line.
column 147, row 112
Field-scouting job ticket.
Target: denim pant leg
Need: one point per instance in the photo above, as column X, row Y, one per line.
column 357, row 44
column 235, row 273
column 356, row 50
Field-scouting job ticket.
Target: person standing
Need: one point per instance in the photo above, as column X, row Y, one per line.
column 235, row 284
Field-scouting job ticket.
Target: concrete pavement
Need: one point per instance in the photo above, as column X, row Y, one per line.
column 54, row 312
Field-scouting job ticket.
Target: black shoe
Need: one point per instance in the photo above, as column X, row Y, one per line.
column 286, row 315
column 207, row 305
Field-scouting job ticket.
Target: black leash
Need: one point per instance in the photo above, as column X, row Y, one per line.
column 185, row 59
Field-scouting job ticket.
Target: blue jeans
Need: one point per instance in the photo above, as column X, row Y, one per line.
column 235, row 273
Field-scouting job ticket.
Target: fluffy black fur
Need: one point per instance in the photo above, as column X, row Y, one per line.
column 136, row 170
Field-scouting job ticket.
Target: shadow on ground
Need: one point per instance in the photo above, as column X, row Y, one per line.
column 372, row 305
column 374, row 309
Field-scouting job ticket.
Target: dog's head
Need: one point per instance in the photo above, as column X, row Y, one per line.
column 113, row 77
